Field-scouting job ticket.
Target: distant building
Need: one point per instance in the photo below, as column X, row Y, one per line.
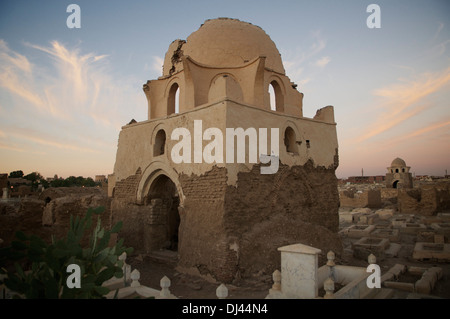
column 365, row 179
column 100, row 178
column 398, row 175
column 20, row 186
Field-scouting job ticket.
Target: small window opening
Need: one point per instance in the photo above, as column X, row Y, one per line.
column 308, row 144
column 173, row 103
column 160, row 143
column 272, row 98
column 276, row 97
column 289, row 141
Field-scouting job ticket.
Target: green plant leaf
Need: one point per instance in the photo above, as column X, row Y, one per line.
column 101, row 290
column 38, row 242
column 60, row 253
column 104, row 241
column 20, row 235
column 102, row 255
column 19, row 270
column 46, row 275
column 51, row 288
column 18, row 245
column 116, row 228
column 104, row 275
column 98, row 210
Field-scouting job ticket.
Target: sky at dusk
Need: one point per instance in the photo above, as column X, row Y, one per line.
column 66, row 93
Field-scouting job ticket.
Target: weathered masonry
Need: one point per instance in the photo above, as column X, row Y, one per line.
column 226, row 219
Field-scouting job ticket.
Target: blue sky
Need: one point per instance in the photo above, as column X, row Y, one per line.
column 65, row 93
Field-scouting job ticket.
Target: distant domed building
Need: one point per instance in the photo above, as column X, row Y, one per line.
column 398, row 175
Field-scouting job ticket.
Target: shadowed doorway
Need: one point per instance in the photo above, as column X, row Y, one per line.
column 164, row 197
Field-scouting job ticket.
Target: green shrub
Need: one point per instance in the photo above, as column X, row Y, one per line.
column 46, row 272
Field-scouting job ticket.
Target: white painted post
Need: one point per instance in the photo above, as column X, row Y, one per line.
column 372, row 259
column 328, row 286
column 122, row 258
column 331, row 256
column 222, row 292
column 165, row 284
column 135, row 276
column 276, row 276
column 299, row 264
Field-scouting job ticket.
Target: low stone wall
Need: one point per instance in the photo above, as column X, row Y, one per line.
column 423, row 201
column 49, row 214
column 389, row 194
column 369, row 198
column 24, row 215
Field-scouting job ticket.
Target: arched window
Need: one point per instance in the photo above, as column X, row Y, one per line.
column 160, row 143
column 276, row 96
column 173, row 102
column 290, row 141
column 273, row 106
column 396, row 170
column 403, row 170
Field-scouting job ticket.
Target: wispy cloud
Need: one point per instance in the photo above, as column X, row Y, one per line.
column 322, row 62
column 438, row 31
column 79, row 72
column 302, row 64
column 401, row 101
column 15, row 75
column 158, row 63
column 14, row 59
column 422, row 131
column 65, row 101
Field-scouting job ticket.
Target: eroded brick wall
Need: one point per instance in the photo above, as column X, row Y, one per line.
column 207, row 188
column 202, row 241
column 264, row 212
column 125, row 190
column 231, row 231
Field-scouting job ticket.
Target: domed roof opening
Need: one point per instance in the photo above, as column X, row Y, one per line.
column 225, row 42
column 398, row 162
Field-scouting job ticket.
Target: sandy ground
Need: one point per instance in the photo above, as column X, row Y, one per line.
column 185, row 286
column 153, row 267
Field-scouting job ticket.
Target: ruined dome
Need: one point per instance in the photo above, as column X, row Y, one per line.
column 398, row 162
column 225, row 42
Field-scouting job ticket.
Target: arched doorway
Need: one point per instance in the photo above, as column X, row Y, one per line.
column 163, row 199
column 395, row 185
